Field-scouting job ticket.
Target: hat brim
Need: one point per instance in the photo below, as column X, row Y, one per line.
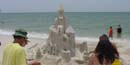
column 27, row 40
column 17, row 34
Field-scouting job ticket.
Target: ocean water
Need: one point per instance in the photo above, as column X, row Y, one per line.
column 87, row 25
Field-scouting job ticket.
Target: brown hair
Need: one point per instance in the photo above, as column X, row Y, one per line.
column 106, row 50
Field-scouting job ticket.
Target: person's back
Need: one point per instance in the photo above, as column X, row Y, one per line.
column 14, row 54
column 119, row 31
column 105, row 53
column 94, row 60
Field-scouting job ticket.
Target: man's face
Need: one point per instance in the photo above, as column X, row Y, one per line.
column 24, row 41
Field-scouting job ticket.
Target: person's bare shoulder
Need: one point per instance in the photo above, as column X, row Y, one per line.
column 92, row 55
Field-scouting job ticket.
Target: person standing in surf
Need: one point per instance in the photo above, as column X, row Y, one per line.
column 110, row 32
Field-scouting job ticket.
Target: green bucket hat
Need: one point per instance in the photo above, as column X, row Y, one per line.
column 21, row 33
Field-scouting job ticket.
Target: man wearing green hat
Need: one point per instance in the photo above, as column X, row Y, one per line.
column 14, row 53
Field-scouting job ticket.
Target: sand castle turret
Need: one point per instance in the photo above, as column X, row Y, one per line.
column 61, row 36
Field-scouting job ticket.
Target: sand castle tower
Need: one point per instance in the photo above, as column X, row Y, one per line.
column 61, row 36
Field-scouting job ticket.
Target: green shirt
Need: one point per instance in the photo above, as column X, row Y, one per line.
column 14, row 54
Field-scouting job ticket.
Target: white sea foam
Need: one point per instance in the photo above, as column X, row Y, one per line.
column 31, row 34
column 87, row 38
column 5, row 32
column 38, row 35
column 45, row 35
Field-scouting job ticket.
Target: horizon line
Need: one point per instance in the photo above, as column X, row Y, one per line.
column 68, row 12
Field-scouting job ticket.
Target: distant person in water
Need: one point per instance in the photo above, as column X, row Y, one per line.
column 110, row 32
column 119, row 31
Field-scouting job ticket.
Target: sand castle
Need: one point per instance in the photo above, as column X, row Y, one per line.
column 60, row 47
column 61, row 36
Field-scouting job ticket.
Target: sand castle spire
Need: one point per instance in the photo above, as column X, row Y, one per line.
column 61, row 10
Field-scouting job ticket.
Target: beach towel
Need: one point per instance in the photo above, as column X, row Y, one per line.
column 116, row 62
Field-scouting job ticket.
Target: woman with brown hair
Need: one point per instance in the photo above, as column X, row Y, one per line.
column 105, row 53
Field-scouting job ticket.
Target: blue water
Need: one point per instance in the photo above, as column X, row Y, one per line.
column 85, row 24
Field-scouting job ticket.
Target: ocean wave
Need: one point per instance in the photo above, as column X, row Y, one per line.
column 6, row 32
column 87, row 38
column 30, row 34
column 96, row 39
column 38, row 35
column 45, row 36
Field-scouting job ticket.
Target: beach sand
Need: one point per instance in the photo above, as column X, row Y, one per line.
column 123, row 47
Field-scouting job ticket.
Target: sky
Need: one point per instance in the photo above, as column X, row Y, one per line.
column 69, row 5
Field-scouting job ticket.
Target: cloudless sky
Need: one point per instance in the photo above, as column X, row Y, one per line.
column 69, row 5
